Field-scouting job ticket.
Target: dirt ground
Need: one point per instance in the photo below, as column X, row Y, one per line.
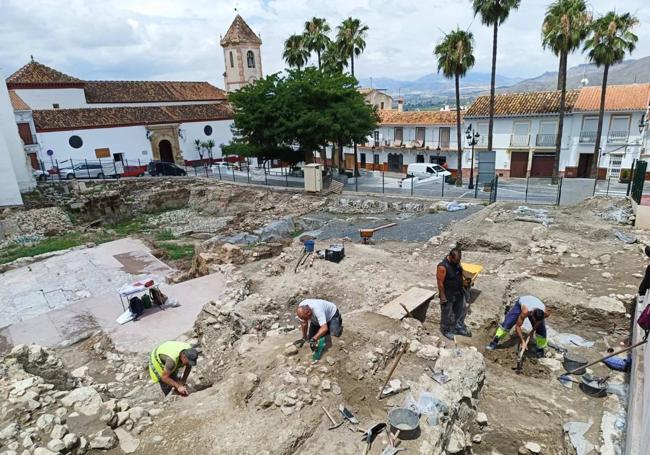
column 256, row 394
column 575, row 265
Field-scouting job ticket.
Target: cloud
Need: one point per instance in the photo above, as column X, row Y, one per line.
column 179, row 39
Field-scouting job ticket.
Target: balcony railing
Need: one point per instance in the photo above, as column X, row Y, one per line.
column 519, row 140
column 617, row 137
column 587, row 137
column 545, row 140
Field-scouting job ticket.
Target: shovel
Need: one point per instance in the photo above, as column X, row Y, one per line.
column 520, row 357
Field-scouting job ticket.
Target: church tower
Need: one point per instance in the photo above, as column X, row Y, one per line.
column 242, row 56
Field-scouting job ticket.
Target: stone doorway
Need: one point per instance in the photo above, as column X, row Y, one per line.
column 165, row 150
column 164, row 143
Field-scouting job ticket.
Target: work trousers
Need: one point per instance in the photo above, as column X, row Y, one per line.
column 452, row 313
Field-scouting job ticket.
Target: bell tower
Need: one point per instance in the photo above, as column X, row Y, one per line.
column 242, row 56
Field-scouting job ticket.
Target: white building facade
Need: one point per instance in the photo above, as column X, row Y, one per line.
column 15, row 172
column 62, row 120
column 405, row 137
column 525, row 130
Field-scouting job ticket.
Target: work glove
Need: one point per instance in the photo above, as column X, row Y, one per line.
column 313, row 345
column 299, row 343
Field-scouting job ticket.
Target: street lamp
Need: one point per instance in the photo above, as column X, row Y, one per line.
column 643, row 123
column 472, row 139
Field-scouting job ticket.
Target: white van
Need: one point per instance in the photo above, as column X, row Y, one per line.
column 424, row 170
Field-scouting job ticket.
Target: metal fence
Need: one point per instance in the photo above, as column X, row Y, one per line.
column 527, row 190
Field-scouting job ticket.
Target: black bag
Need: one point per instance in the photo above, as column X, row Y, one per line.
column 136, row 306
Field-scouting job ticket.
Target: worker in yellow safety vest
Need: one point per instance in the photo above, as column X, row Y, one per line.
column 165, row 361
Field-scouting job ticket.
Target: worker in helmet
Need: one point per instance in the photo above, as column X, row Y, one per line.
column 166, row 360
column 528, row 313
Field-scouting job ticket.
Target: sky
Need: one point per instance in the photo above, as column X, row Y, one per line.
column 179, row 39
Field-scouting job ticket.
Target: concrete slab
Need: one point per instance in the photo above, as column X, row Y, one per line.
column 56, row 326
column 83, row 297
column 61, row 280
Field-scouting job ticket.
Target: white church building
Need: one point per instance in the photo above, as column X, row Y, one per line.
column 61, row 118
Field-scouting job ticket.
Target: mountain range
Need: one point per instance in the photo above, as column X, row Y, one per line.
column 436, row 84
column 477, row 83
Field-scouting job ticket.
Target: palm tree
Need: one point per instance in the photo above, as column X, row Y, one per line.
column 351, row 39
column 333, row 60
column 198, row 146
column 209, row 145
column 610, row 39
column 455, row 57
column 494, row 13
column 315, row 36
column 565, row 27
column 295, row 53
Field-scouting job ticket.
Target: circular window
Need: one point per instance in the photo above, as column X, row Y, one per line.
column 75, row 142
column 207, row 130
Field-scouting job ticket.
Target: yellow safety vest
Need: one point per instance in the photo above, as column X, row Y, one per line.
column 171, row 349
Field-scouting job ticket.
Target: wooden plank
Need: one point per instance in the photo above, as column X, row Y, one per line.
column 411, row 299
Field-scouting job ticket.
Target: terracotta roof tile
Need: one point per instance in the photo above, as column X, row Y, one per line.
column 395, row 117
column 519, row 104
column 150, row 92
column 632, row 97
column 240, row 32
column 103, row 117
column 35, row 73
column 17, row 102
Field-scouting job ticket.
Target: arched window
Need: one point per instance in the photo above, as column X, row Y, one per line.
column 250, row 58
column 232, row 61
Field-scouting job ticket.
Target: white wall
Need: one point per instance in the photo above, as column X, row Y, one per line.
column 629, row 152
column 130, row 140
column 13, row 145
column 9, row 191
column 221, row 134
column 67, row 98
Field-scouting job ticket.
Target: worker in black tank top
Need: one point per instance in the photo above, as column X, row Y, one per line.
column 449, row 276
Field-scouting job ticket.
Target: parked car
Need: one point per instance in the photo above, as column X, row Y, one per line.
column 165, row 168
column 221, row 166
column 424, row 170
column 84, row 171
column 134, row 171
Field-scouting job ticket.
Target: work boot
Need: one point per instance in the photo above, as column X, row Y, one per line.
column 448, row 334
column 493, row 345
column 463, row 331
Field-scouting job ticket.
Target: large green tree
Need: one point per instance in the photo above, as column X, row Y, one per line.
column 610, row 40
column 351, row 40
column 295, row 52
column 565, row 27
column 493, row 13
column 455, row 55
column 315, row 36
column 293, row 116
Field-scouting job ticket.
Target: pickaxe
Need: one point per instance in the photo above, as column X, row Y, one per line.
column 335, row 425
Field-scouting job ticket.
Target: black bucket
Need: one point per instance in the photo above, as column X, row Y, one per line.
column 573, row 361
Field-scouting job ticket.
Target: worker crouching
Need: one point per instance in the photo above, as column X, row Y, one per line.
column 166, row 360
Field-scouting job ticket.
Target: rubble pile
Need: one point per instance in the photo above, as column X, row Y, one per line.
column 31, row 226
column 350, row 206
column 618, row 210
column 50, row 410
